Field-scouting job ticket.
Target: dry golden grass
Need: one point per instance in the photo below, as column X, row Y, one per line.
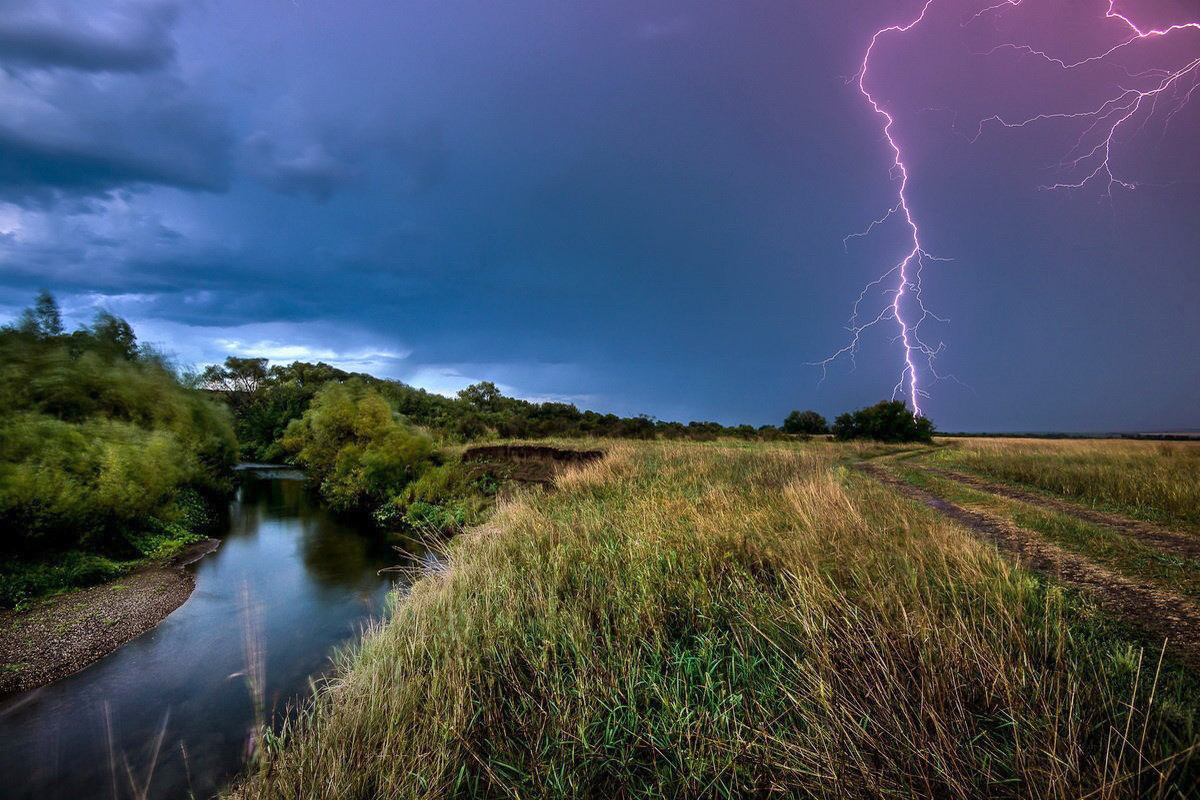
column 731, row 621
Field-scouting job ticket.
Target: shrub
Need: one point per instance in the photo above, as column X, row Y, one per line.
column 356, row 448
column 888, row 421
column 103, row 451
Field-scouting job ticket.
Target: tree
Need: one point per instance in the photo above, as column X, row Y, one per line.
column 483, row 396
column 807, row 422
column 356, row 448
column 45, row 309
column 887, row 421
column 240, row 378
column 44, row 320
column 114, row 336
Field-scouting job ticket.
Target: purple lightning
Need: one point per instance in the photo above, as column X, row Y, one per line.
column 907, row 271
column 1090, row 158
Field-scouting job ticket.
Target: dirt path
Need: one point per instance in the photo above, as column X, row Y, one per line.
column 1175, row 542
column 68, row 632
column 1151, row 608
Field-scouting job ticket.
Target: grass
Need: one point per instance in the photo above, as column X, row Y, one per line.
column 713, row 621
column 1119, row 551
column 1154, row 481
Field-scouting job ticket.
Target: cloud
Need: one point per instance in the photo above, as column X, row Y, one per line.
column 311, row 169
column 84, row 135
column 134, row 37
column 92, row 104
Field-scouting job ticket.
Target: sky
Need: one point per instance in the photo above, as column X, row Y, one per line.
column 639, row 206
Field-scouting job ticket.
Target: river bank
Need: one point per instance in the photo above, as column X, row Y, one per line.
column 736, row 620
column 64, row 633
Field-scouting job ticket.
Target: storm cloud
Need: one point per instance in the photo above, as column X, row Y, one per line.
column 128, row 37
column 640, row 206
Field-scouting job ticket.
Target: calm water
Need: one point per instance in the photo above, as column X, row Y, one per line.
column 299, row 580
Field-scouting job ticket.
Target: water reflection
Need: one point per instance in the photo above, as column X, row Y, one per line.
column 312, row 582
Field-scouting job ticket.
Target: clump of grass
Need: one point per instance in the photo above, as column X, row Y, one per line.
column 701, row 621
column 1157, row 481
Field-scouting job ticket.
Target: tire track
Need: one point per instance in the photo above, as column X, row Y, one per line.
column 1156, row 610
column 1174, row 542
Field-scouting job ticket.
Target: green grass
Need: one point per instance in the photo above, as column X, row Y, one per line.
column 1122, row 552
column 1154, row 481
column 709, row 621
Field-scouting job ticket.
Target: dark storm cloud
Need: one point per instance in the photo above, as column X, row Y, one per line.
column 641, row 202
column 124, row 38
column 37, row 169
column 65, row 131
column 313, row 170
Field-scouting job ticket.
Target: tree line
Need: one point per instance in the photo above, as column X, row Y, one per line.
column 109, row 455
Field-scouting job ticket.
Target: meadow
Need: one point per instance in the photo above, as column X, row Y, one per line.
column 1156, row 481
column 733, row 619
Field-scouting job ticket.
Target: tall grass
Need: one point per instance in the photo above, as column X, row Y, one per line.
column 1154, row 480
column 699, row 621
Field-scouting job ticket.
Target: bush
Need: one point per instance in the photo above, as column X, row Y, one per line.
column 104, row 452
column 356, row 448
column 444, row 500
column 805, row 422
column 888, row 421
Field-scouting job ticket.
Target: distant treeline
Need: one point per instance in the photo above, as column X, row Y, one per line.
column 265, row 399
column 106, row 455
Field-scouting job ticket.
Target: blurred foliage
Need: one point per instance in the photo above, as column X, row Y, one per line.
column 105, row 452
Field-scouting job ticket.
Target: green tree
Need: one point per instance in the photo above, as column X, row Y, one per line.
column 887, row 421
column 483, row 396
column 113, row 336
column 238, row 378
column 805, row 422
column 42, row 321
column 356, row 448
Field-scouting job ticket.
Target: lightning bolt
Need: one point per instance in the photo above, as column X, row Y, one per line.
column 905, row 275
column 1089, row 159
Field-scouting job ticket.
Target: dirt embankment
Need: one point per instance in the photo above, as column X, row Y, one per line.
column 526, row 463
column 1162, row 613
column 67, row 632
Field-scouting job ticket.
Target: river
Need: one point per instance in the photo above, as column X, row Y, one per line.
column 289, row 581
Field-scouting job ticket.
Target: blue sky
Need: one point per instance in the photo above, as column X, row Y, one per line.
column 636, row 206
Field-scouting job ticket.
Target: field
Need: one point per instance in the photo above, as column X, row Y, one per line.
column 733, row 620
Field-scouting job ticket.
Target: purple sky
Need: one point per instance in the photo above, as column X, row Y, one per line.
column 636, row 206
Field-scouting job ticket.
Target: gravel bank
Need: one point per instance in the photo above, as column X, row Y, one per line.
column 67, row 632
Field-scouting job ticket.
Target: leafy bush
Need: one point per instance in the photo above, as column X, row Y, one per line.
column 104, row 452
column 889, row 421
column 445, row 499
column 357, row 449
